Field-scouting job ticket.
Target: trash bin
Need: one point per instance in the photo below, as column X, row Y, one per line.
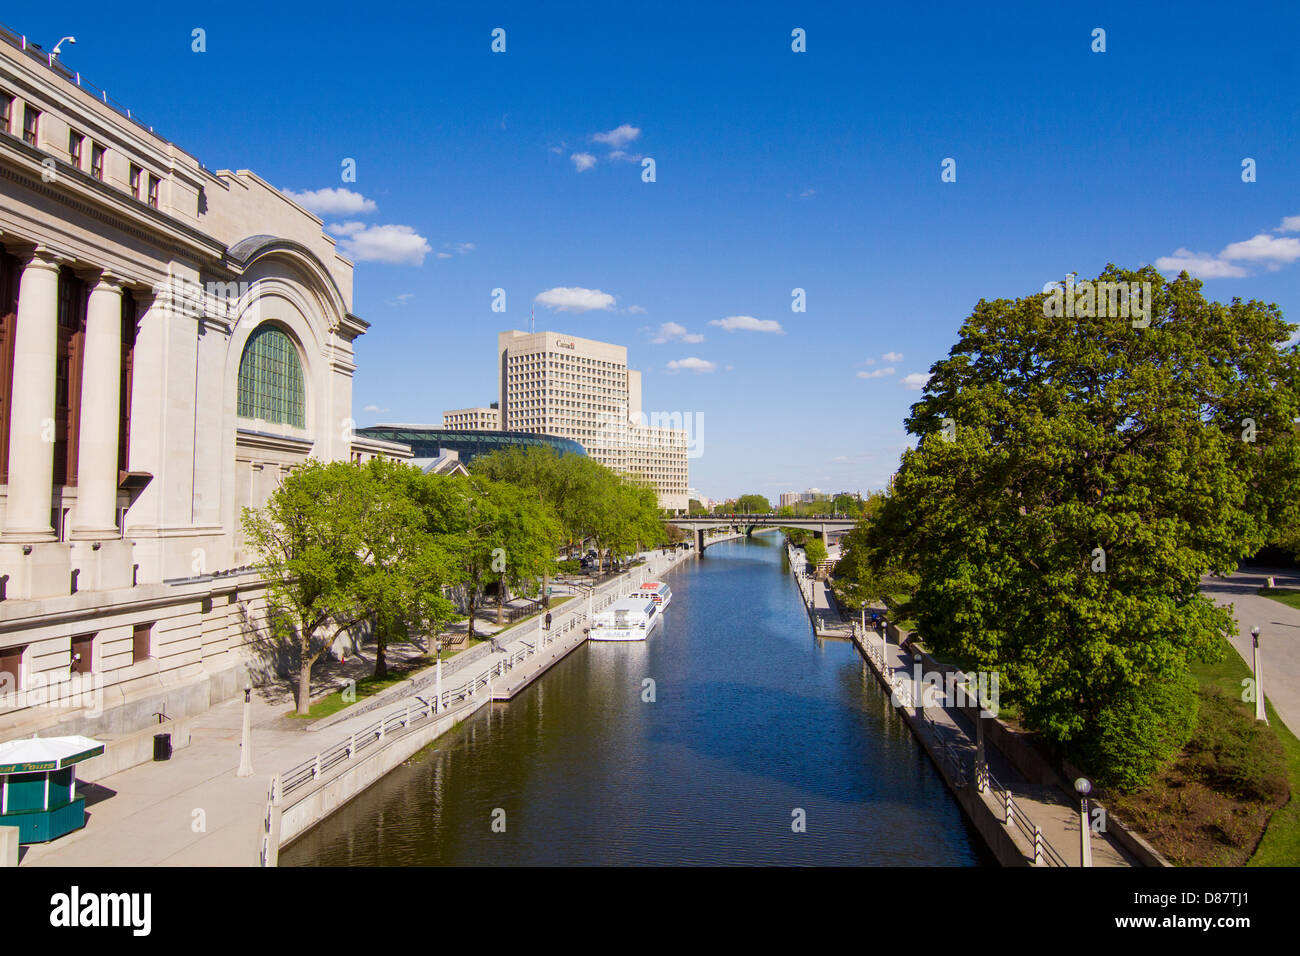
column 162, row 746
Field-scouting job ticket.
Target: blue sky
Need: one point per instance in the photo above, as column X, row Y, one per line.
column 775, row 170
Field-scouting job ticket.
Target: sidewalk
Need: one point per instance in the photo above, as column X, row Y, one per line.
column 193, row 810
column 1279, row 637
column 953, row 748
column 823, row 610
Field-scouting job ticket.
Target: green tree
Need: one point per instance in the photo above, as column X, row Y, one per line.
column 814, row 550
column 1075, row 478
column 407, row 558
column 507, row 536
column 309, row 542
column 867, row 574
column 753, row 505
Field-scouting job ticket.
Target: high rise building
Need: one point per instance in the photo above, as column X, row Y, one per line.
column 580, row 389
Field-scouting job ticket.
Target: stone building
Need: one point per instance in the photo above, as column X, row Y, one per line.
column 172, row 341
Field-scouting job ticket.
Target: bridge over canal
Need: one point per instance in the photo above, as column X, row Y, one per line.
column 821, row 526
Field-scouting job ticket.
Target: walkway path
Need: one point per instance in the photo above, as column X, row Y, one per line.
column 193, row 810
column 951, row 741
column 1279, row 638
column 822, row 607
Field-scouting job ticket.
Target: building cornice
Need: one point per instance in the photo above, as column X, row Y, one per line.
column 22, row 164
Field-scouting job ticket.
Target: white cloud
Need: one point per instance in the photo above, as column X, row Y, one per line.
column 618, row 137
column 460, row 248
column 401, row 298
column 332, row 202
column 1200, row 265
column 1264, row 248
column 374, row 408
column 400, row 245
column 916, row 380
column 893, row 356
column 574, row 299
column 876, row 373
column 1289, row 224
column 583, row 161
column 635, row 310
column 673, row 332
column 626, row 157
column 746, row 323
column 807, row 193
column 691, row 365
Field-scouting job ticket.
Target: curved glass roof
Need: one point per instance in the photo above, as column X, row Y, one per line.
column 429, row 442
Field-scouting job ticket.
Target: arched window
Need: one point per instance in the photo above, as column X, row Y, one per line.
column 270, row 379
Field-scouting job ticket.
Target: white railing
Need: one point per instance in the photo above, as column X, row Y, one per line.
column 418, row 709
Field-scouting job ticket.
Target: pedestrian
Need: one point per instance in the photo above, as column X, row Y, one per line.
column 548, row 620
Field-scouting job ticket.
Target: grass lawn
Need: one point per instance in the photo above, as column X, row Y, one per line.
column 1288, row 596
column 1228, row 787
column 369, row 686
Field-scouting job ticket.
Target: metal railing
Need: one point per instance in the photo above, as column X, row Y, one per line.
column 421, row 708
column 21, row 42
column 1012, row 815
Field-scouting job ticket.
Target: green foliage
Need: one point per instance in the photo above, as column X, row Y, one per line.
column 590, row 501
column 1043, row 438
column 752, row 504
column 814, row 550
column 868, row 574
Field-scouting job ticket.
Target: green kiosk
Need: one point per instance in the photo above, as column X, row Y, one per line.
column 38, row 786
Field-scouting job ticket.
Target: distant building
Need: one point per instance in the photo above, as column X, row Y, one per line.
column 582, row 390
column 473, row 419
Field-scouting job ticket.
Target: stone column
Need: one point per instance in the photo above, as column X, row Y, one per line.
column 101, row 384
column 31, row 418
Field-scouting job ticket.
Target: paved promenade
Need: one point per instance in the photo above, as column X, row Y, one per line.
column 1279, row 627
column 950, row 738
column 194, row 811
column 822, row 609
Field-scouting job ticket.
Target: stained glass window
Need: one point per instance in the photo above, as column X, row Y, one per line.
column 270, row 379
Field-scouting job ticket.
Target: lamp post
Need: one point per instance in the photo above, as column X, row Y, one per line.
column 246, row 743
column 1084, row 787
column 438, row 679
column 1259, row 678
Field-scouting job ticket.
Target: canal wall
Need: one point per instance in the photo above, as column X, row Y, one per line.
column 1023, row 824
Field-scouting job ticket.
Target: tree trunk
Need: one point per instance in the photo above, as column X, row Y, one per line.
column 473, row 603
column 304, row 676
column 501, row 603
column 381, row 644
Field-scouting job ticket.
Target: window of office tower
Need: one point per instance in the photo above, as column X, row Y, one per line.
column 270, row 379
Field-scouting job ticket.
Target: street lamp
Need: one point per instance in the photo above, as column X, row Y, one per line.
column 1084, row 787
column 246, row 742
column 1259, row 678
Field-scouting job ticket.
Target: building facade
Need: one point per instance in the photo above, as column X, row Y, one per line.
column 582, row 390
column 472, row 419
column 172, row 342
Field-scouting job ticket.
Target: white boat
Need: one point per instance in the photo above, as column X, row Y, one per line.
column 656, row 591
column 631, row 619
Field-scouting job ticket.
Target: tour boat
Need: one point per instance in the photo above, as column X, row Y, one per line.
column 631, row 619
column 656, row 591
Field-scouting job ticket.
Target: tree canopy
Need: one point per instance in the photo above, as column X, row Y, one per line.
column 1074, row 479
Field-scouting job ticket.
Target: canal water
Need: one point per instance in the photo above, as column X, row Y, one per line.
column 755, row 726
